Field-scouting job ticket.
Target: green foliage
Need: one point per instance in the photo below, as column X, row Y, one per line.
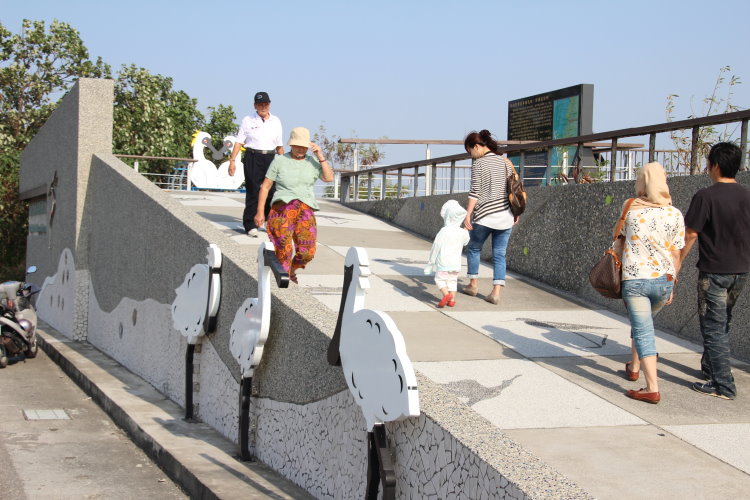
column 719, row 102
column 221, row 123
column 341, row 155
column 35, row 66
column 13, row 220
column 151, row 118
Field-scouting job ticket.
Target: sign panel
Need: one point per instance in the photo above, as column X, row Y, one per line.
column 552, row 115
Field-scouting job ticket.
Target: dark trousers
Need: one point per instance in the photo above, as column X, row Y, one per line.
column 717, row 294
column 255, row 166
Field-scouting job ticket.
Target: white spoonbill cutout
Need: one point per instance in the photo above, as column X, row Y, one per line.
column 197, row 302
column 252, row 321
column 223, row 179
column 203, row 173
column 373, row 355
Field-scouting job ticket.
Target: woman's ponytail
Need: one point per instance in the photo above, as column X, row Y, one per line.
column 483, row 138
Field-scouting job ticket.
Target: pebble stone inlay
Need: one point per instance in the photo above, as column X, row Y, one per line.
column 321, row 445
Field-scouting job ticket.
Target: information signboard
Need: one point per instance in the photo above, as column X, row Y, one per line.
column 552, row 115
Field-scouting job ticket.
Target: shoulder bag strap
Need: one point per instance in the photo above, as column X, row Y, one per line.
column 622, row 219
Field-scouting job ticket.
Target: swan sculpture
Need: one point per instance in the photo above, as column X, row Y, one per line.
column 203, row 173
column 249, row 329
column 197, row 299
column 223, row 179
column 372, row 351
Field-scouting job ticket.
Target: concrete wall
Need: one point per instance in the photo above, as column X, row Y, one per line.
column 60, row 154
column 125, row 246
column 563, row 233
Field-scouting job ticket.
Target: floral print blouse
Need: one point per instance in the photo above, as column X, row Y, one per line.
column 650, row 235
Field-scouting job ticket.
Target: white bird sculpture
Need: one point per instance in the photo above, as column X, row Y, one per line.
column 203, row 173
column 376, row 366
column 197, row 299
column 252, row 321
column 223, row 179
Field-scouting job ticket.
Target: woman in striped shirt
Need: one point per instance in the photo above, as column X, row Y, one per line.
column 488, row 211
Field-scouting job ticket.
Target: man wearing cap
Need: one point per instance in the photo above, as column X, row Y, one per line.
column 260, row 133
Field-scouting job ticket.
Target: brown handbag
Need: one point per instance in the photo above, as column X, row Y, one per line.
column 606, row 275
column 514, row 188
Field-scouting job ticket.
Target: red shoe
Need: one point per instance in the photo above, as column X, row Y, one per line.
column 632, row 376
column 647, row 397
column 451, row 302
column 445, row 300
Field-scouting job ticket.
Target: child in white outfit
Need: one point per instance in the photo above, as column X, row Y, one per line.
column 445, row 255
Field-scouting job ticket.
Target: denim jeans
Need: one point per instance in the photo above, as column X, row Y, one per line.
column 477, row 237
column 717, row 294
column 644, row 298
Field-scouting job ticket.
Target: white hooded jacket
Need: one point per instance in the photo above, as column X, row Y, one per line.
column 445, row 254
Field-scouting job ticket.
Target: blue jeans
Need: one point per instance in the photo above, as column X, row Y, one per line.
column 717, row 294
column 644, row 298
column 477, row 237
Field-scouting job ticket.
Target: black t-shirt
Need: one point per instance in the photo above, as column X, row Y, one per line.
column 721, row 215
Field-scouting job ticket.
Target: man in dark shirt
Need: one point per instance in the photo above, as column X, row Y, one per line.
column 719, row 218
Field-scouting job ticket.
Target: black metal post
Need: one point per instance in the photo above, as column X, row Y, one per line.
column 652, row 148
column 433, row 179
column 613, row 161
column 189, row 381
column 743, row 145
column 694, row 152
column 246, row 385
column 279, row 274
column 453, row 176
column 379, row 465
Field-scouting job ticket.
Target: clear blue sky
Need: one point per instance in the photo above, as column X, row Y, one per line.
column 418, row 69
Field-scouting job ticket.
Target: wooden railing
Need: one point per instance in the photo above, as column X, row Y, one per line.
column 428, row 168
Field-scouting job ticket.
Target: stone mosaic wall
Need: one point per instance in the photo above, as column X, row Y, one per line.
column 329, row 460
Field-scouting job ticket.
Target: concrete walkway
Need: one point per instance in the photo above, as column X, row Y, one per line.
column 541, row 366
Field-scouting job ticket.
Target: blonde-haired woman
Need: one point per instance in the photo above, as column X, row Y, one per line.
column 653, row 234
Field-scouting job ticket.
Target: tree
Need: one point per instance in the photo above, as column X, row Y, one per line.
column 719, row 102
column 221, row 123
column 37, row 66
column 341, row 155
column 151, row 118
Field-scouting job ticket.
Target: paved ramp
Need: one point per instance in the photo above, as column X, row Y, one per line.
column 541, row 366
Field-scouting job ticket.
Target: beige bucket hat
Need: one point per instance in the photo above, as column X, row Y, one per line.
column 299, row 136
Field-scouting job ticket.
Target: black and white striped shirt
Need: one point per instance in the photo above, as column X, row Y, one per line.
column 488, row 185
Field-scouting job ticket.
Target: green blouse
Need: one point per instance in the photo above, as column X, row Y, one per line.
column 294, row 179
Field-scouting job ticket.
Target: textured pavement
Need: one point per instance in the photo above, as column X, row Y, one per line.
column 542, row 366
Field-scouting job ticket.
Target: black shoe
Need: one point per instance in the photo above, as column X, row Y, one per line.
column 708, row 389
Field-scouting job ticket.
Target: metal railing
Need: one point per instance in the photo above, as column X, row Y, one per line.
column 425, row 176
column 178, row 179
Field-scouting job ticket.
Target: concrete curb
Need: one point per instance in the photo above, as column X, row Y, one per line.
column 196, row 457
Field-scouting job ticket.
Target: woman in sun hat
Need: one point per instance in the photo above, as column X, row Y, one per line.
column 291, row 224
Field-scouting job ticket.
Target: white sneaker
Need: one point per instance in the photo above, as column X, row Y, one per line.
column 253, row 233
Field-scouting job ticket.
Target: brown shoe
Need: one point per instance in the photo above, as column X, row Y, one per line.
column 630, row 375
column 648, row 397
column 470, row 290
column 492, row 299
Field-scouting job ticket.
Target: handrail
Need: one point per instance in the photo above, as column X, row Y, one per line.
column 600, row 136
column 431, row 164
column 143, row 157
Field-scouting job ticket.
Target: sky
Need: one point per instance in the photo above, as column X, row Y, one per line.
column 418, row 69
